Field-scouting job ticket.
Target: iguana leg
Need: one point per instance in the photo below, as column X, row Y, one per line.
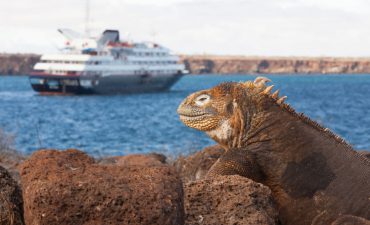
column 351, row 220
column 236, row 162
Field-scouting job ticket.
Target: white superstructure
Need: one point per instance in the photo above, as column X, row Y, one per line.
column 107, row 58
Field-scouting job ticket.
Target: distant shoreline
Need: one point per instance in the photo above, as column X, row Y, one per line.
column 21, row 64
column 199, row 64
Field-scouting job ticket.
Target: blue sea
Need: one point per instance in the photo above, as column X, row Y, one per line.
column 140, row 123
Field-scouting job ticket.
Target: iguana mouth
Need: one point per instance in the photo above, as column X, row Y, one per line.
column 201, row 121
column 198, row 116
column 190, row 114
column 193, row 117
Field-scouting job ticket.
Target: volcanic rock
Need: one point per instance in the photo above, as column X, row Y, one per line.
column 229, row 200
column 196, row 166
column 11, row 204
column 147, row 160
column 69, row 187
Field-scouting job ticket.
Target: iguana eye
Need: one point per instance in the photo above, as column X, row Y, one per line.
column 202, row 99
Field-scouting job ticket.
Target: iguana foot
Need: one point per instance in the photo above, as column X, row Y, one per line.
column 236, row 162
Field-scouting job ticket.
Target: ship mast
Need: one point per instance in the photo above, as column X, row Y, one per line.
column 87, row 18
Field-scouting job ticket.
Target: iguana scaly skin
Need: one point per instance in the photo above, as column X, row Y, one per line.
column 315, row 176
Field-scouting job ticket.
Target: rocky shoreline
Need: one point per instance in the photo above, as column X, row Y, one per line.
column 70, row 187
column 21, row 64
column 17, row 64
column 275, row 65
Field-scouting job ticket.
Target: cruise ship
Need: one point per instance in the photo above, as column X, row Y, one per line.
column 105, row 65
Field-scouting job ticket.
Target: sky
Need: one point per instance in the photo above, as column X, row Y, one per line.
column 222, row 27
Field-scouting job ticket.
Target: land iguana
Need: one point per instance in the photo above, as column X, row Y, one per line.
column 315, row 176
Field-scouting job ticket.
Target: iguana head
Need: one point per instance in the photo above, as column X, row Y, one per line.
column 224, row 111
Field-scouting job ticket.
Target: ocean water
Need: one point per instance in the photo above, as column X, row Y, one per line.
column 137, row 123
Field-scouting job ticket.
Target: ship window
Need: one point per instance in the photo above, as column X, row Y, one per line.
column 37, row 81
column 71, row 82
column 86, row 83
column 53, row 84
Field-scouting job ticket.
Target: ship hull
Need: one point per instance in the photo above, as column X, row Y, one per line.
column 112, row 84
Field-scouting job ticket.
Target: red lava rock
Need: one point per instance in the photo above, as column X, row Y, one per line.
column 11, row 204
column 229, row 200
column 196, row 166
column 68, row 187
column 147, row 160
